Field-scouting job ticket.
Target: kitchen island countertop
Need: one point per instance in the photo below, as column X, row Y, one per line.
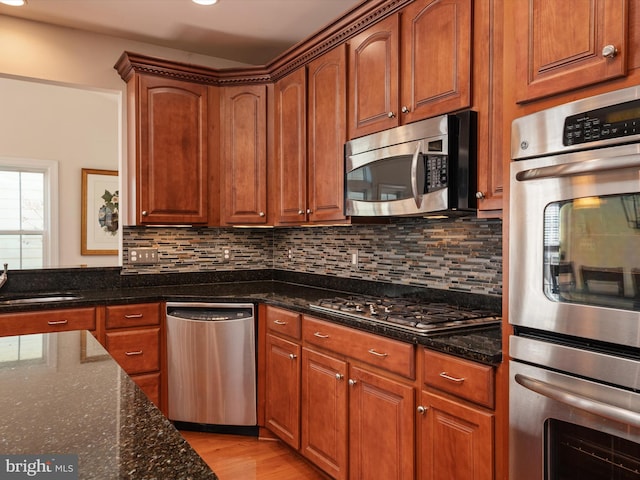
column 71, row 398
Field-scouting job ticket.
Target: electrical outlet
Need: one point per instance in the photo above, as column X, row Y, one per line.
column 143, row 256
column 226, row 254
column 290, row 254
column 354, row 257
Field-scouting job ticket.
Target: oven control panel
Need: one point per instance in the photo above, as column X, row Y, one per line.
column 614, row 121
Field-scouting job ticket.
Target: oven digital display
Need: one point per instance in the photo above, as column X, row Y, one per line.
column 615, row 121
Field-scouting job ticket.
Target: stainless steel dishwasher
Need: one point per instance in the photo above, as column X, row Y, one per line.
column 211, row 363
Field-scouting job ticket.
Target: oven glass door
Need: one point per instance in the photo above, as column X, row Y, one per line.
column 558, row 429
column 575, row 244
column 591, row 251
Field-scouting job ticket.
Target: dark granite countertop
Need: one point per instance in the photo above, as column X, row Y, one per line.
column 294, row 292
column 76, row 400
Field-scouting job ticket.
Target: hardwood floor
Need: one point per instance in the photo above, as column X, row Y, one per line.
column 237, row 457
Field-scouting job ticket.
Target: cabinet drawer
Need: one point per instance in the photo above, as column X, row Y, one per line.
column 149, row 383
column 392, row 355
column 469, row 380
column 137, row 351
column 283, row 322
column 139, row 314
column 48, row 321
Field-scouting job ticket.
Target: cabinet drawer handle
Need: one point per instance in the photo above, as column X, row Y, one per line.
column 136, row 352
column 279, row 322
column 446, row 376
column 320, row 335
column 58, row 322
column 134, row 315
column 377, row 354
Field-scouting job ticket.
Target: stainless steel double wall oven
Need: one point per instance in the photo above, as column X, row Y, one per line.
column 574, row 290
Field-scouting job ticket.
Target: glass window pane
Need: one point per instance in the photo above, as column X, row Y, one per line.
column 32, row 191
column 9, row 200
column 32, row 246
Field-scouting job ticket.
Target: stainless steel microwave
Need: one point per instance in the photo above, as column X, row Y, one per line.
column 416, row 169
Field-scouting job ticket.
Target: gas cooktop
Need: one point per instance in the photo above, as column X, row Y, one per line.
column 407, row 314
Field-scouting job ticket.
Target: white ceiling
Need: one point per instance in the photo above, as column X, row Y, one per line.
column 247, row 31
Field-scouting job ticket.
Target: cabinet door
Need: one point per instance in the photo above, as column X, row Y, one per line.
column 171, row 171
column 324, row 412
column 243, row 154
column 291, row 147
column 381, row 427
column 436, row 58
column 559, row 45
column 327, row 127
column 373, row 81
column 456, row 441
column 282, row 409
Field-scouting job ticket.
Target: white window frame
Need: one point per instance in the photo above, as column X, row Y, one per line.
column 50, row 240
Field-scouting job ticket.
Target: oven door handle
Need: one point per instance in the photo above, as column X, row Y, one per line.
column 575, row 400
column 580, row 168
column 417, row 196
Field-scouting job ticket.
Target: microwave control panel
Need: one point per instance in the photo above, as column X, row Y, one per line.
column 613, row 121
column 436, row 172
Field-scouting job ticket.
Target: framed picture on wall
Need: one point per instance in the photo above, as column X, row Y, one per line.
column 100, row 209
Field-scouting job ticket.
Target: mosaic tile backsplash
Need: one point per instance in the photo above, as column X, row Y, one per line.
column 462, row 254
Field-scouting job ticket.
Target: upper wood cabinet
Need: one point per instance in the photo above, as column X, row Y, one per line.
column 168, row 159
column 310, row 135
column 436, row 58
column 291, row 147
column 373, row 78
column 243, row 154
column 427, row 73
column 327, row 134
column 561, row 46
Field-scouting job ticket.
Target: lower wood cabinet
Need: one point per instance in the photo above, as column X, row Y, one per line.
column 134, row 338
column 381, row 427
column 455, row 440
column 324, row 412
column 352, row 404
column 282, row 408
column 48, row 321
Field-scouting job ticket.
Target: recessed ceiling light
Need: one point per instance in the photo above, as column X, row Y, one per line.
column 205, row 2
column 14, row 3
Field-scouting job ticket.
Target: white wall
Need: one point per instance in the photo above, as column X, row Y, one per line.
column 61, row 99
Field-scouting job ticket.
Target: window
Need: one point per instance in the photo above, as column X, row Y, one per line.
column 28, row 207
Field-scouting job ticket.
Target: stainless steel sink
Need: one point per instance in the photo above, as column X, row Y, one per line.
column 38, row 298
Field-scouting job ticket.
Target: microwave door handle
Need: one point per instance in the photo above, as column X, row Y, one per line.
column 417, row 196
column 582, row 402
column 579, row 168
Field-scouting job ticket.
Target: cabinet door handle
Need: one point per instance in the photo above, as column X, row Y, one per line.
column 391, row 114
column 300, row 212
column 58, row 322
column 422, row 410
column 261, row 214
column 352, row 382
column 339, row 376
column 405, row 109
column 144, row 213
column 134, row 315
column 293, row 356
column 446, row 376
column 377, row 354
column 609, row 51
column 279, row 322
column 320, row 335
column 309, row 211
column 136, row 352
